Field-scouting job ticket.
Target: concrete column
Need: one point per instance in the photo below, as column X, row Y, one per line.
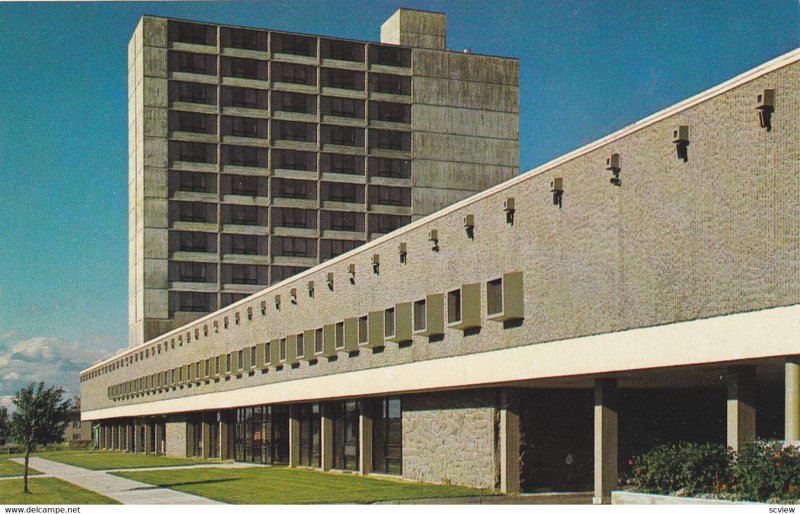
column 294, row 437
column 510, row 443
column 206, row 435
column 148, row 437
column 159, row 449
column 115, row 437
column 792, row 399
column 365, row 438
column 741, row 405
column 326, row 437
column 226, row 442
column 103, row 437
column 606, row 439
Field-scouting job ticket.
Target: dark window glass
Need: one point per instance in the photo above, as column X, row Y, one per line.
column 339, row 163
column 385, row 223
column 186, row 62
column 244, row 156
column 294, row 131
column 231, row 298
column 196, row 122
column 192, row 93
column 192, row 242
column 342, row 192
column 192, row 272
column 330, row 248
column 390, row 140
column 390, row 111
column 294, row 102
column 345, row 416
column 243, row 97
column 294, row 73
column 342, row 107
column 295, row 189
column 338, row 220
column 192, row 152
column 294, row 44
column 308, row 416
column 294, row 247
column 243, row 68
column 244, row 274
column 198, row 212
column 294, row 160
column 192, row 181
column 390, row 56
column 394, row 196
column 184, row 301
column 244, row 185
column 244, row 215
column 294, row 218
column 240, row 244
column 342, row 79
column 342, row 50
column 179, row 31
column 280, row 273
column 244, row 127
column 392, row 168
column 392, row 84
column 387, row 436
column 243, row 38
column 344, row 136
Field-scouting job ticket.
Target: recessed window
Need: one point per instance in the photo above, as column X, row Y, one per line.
column 242, row 97
column 252, row 356
column 390, row 111
column 363, row 330
column 390, row 168
column 420, row 315
column 391, row 84
column 242, row 244
column 244, row 156
column 244, row 127
column 294, row 44
column 494, row 296
column 186, row 62
column 243, row 38
column 330, row 248
column 318, row 341
column 342, row 50
column 282, row 348
column 228, row 363
column 454, row 306
column 300, row 345
column 294, row 73
column 339, row 335
column 184, row 151
column 342, row 107
column 237, row 67
column 194, row 122
column 390, row 140
column 388, row 322
column 191, row 92
column 194, row 33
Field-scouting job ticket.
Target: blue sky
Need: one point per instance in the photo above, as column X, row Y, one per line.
column 587, row 69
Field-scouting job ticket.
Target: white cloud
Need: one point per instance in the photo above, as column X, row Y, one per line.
column 54, row 361
column 8, row 335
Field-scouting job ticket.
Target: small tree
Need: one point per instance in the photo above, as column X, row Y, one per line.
column 40, row 417
column 3, row 420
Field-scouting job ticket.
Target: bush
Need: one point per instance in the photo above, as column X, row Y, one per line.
column 767, row 470
column 685, row 468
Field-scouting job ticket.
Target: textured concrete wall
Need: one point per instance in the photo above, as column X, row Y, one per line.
column 176, row 436
column 677, row 241
column 450, row 438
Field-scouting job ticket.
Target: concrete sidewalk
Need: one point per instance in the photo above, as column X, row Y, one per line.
column 123, row 490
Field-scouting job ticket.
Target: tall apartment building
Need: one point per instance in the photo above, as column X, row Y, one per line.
column 257, row 154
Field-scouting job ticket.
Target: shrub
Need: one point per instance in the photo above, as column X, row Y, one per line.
column 767, row 470
column 685, row 468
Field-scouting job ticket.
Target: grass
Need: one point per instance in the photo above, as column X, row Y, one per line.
column 12, row 469
column 114, row 460
column 265, row 485
column 48, row 491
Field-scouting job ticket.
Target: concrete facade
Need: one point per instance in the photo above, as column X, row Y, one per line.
column 664, row 255
column 257, row 154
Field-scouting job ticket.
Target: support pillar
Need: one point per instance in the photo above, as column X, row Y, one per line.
column 116, row 436
column 103, row 437
column 741, row 406
column 148, row 437
column 205, row 435
column 606, row 439
column 159, row 428
column 365, row 437
column 509, row 442
column 792, row 399
column 326, row 437
column 226, row 426
column 294, row 437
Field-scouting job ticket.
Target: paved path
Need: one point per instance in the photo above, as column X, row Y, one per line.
column 121, row 489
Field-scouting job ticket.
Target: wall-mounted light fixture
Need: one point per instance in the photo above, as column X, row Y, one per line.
column 557, row 188
column 278, row 301
column 329, row 281
column 433, row 237
column 403, row 252
column 376, row 263
column 469, row 225
column 680, row 136
column 612, row 165
column 765, row 104
column 293, row 295
column 311, row 289
column 508, row 208
column 351, row 270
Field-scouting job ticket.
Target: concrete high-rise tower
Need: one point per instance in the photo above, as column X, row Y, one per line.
column 256, row 154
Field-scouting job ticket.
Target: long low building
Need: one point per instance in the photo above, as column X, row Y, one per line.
column 642, row 289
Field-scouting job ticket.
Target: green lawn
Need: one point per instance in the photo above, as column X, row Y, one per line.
column 48, row 491
column 259, row 485
column 12, row 469
column 115, row 460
